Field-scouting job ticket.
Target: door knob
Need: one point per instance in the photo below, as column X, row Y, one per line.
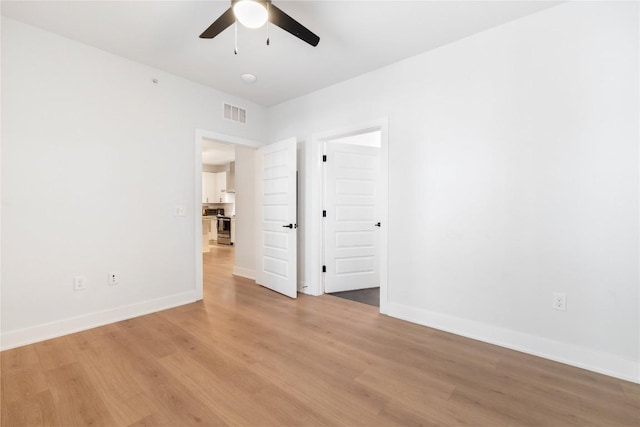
column 377, row 225
column 288, row 226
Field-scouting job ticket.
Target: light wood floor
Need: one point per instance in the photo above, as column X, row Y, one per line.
column 247, row 356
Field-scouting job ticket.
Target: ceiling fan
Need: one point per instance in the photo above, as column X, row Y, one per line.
column 256, row 13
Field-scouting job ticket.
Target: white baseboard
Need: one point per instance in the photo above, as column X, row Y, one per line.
column 244, row 272
column 45, row 331
column 581, row 357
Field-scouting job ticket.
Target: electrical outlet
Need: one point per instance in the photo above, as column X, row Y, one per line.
column 180, row 211
column 559, row 301
column 114, row 278
column 79, row 283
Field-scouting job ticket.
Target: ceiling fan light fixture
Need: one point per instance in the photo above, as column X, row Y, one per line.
column 250, row 13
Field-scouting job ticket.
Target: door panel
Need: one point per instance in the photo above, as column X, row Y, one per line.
column 352, row 239
column 276, row 168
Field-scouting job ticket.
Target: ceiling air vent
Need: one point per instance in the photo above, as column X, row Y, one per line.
column 235, row 114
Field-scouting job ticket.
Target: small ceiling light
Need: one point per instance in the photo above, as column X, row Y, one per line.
column 250, row 13
column 249, row 78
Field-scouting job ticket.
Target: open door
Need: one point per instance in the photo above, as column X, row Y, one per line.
column 352, row 227
column 276, row 202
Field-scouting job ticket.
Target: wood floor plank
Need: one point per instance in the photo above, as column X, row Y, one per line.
column 38, row 410
column 287, row 409
column 632, row 393
column 591, row 385
column 518, row 406
column 229, row 398
column 247, row 356
column 74, row 398
column 54, row 353
column 342, row 399
column 23, row 385
column 18, row 359
column 436, row 412
column 113, row 379
column 173, row 399
column 406, row 384
column 154, row 420
column 135, row 409
column 616, row 412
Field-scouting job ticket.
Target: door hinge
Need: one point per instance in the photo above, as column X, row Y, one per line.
column 324, row 268
column 324, row 214
column 324, row 157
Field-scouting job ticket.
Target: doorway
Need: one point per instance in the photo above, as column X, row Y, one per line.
column 351, row 216
column 352, row 213
column 238, row 203
column 218, row 194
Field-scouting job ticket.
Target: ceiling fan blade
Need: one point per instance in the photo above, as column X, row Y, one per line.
column 287, row 23
column 219, row 25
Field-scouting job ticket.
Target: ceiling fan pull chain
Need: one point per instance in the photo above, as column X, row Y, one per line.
column 235, row 48
column 268, row 11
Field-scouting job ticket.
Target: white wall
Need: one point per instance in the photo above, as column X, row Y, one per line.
column 95, row 158
column 245, row 212
column 513, row 169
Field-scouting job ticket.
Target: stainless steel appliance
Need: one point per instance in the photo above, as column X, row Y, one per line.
column 224, row 230
column 213, row 212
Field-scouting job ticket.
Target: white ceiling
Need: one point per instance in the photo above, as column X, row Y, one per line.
column 216, row 153
column 355, row 37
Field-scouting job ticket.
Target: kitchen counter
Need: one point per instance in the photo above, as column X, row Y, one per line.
column 206, row 227
column 206, row 223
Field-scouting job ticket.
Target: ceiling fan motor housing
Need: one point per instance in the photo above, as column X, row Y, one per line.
column 265, row 2
column 275, row 16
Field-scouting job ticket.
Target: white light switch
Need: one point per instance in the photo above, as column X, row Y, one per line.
column 180, row 211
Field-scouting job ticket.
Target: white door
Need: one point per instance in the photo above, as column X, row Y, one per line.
column 351, row 225
column 276, row 196
column 221, row 185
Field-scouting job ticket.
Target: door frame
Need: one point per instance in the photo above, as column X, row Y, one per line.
column 315, row 185
column 201, row 134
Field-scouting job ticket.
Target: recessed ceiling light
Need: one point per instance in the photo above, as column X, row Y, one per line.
column 249, row 78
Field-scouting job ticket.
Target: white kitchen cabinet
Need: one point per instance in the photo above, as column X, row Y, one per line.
column 221, row 187
column 209, row 188
column 214, row 188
